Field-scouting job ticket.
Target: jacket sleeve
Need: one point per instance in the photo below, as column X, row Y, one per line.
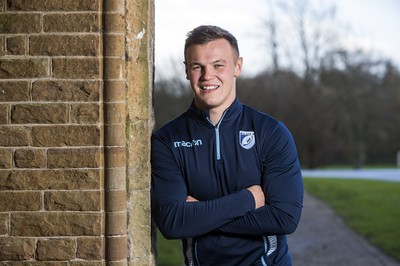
column 283, row 188
column 177, row 218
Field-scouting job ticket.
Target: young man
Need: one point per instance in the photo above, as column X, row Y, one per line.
column 225, row 178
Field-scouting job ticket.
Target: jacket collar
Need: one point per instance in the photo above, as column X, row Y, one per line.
column 230, row 114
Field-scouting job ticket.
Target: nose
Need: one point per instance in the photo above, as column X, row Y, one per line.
column 207, row 73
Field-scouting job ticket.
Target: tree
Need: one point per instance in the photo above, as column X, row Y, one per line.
column 172, row 95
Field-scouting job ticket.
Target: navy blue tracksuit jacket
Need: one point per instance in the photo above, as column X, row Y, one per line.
column 215, row 164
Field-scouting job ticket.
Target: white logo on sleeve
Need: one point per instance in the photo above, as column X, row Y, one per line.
column 247, row 139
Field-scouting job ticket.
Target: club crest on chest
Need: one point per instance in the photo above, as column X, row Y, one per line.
column 247, row 139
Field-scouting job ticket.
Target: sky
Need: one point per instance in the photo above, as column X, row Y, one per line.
column 368, row 24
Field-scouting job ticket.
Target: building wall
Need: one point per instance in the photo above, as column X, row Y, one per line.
column 75, row 124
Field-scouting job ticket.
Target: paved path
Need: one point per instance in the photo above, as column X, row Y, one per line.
column 374, row 174
column 322, row 239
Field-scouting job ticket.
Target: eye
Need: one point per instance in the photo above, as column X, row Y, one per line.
column 218, row 65
column 196, row 67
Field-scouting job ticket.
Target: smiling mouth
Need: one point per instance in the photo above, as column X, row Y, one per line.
column 208, row 88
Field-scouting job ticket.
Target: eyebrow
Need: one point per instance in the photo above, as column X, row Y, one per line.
column 219, row 61
column 213, row 62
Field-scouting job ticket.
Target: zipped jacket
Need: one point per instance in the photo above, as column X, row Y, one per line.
column 215, row 164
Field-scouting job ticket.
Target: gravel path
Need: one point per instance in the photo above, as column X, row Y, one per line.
column 322, row 239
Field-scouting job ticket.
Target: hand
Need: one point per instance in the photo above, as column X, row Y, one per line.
column 191, row 199
column 258, row 195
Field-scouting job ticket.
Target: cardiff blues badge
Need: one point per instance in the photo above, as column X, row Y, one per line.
column 247, row 139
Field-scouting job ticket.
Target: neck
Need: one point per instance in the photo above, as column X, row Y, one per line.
column 215, row 113
column 215, row 116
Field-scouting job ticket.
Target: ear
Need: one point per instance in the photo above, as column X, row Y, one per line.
column 238, row 66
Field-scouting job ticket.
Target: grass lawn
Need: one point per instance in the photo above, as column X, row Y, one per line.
column 371, row 208
column 169, row 251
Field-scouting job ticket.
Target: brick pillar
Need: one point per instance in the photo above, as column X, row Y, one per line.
column 115, row 137
column 139, row 82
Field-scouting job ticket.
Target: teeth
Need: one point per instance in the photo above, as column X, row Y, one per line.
column 209, row 87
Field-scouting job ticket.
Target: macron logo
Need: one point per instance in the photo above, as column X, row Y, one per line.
column 188, row 144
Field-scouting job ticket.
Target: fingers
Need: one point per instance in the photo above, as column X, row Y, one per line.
column 258, row 195
column 191, row 199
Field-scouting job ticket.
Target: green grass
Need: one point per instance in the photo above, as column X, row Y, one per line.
column 169, row 251
column 371, row 208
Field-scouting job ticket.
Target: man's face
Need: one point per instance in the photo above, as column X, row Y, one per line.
column 212, row 69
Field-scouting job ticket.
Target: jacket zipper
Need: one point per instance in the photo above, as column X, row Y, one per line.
column 217, row 138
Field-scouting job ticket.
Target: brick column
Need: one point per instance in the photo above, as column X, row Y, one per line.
column 115, row 137
column 128, row 76
column 139, row 84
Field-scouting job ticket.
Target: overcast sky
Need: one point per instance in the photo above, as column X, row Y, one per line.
column 370, row 24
